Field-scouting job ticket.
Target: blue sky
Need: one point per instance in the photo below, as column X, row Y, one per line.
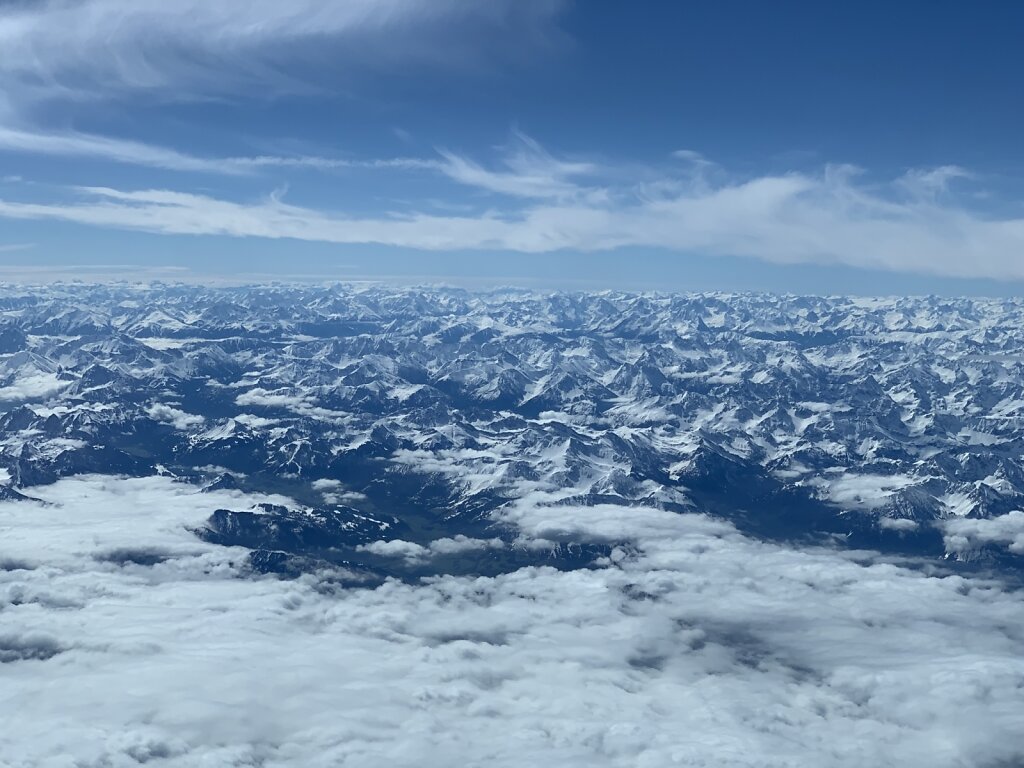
column 819, row 147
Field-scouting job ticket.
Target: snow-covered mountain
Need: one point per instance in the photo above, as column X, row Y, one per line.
column 435, row 415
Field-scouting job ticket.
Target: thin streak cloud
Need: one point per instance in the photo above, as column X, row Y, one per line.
column 91, row 146
column 833, row 217
column 15, row 247
column 529, row 171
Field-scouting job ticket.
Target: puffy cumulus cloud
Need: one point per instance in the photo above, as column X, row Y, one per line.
column 407, row 550
column 417, row 553
column 176, row 417
column 32, row 385
column 268, row 399
column 965, row 534
column 287, row 399
column 867, row 491
column 334, row 492
column 126, row 640
column 326, row 484
column 898, row 524
column 457, row 544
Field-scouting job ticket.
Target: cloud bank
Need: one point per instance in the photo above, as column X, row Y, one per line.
column 537, row 204
column 125, row 640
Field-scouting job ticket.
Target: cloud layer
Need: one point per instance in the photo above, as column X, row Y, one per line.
column 910, row 224
column 125, row 640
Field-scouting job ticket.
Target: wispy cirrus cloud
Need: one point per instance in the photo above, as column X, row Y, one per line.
column 928, row 182
column 91, row 146
column 73, row 52
column 526, row 168
column 528, row 171
column 832, row 217
column 15, row 247
column 75, row 49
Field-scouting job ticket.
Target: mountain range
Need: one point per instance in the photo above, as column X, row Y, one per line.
column 408, row 426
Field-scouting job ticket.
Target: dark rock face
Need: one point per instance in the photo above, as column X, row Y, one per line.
column 9, row 494
column 12, row 339
column 417, row 416
column 279, row 528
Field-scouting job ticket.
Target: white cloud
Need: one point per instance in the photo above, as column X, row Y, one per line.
column 694, row 159
column 897, row 524
column 707, row 648
column 326, row 484
column 531, row 172
column 256, row 422
column 830, row 218
column 74, row 49
column 302, row 403
column 407, row 550
column 333, row 492
column 176, row 417
column 929, row 182
column 267, row 399
column 911, row 224
column 965, row 534
column 102, row 147
column 458, row 544
column 91, row 146
column 862, row 491
column 415, row 553
column 32, row 385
